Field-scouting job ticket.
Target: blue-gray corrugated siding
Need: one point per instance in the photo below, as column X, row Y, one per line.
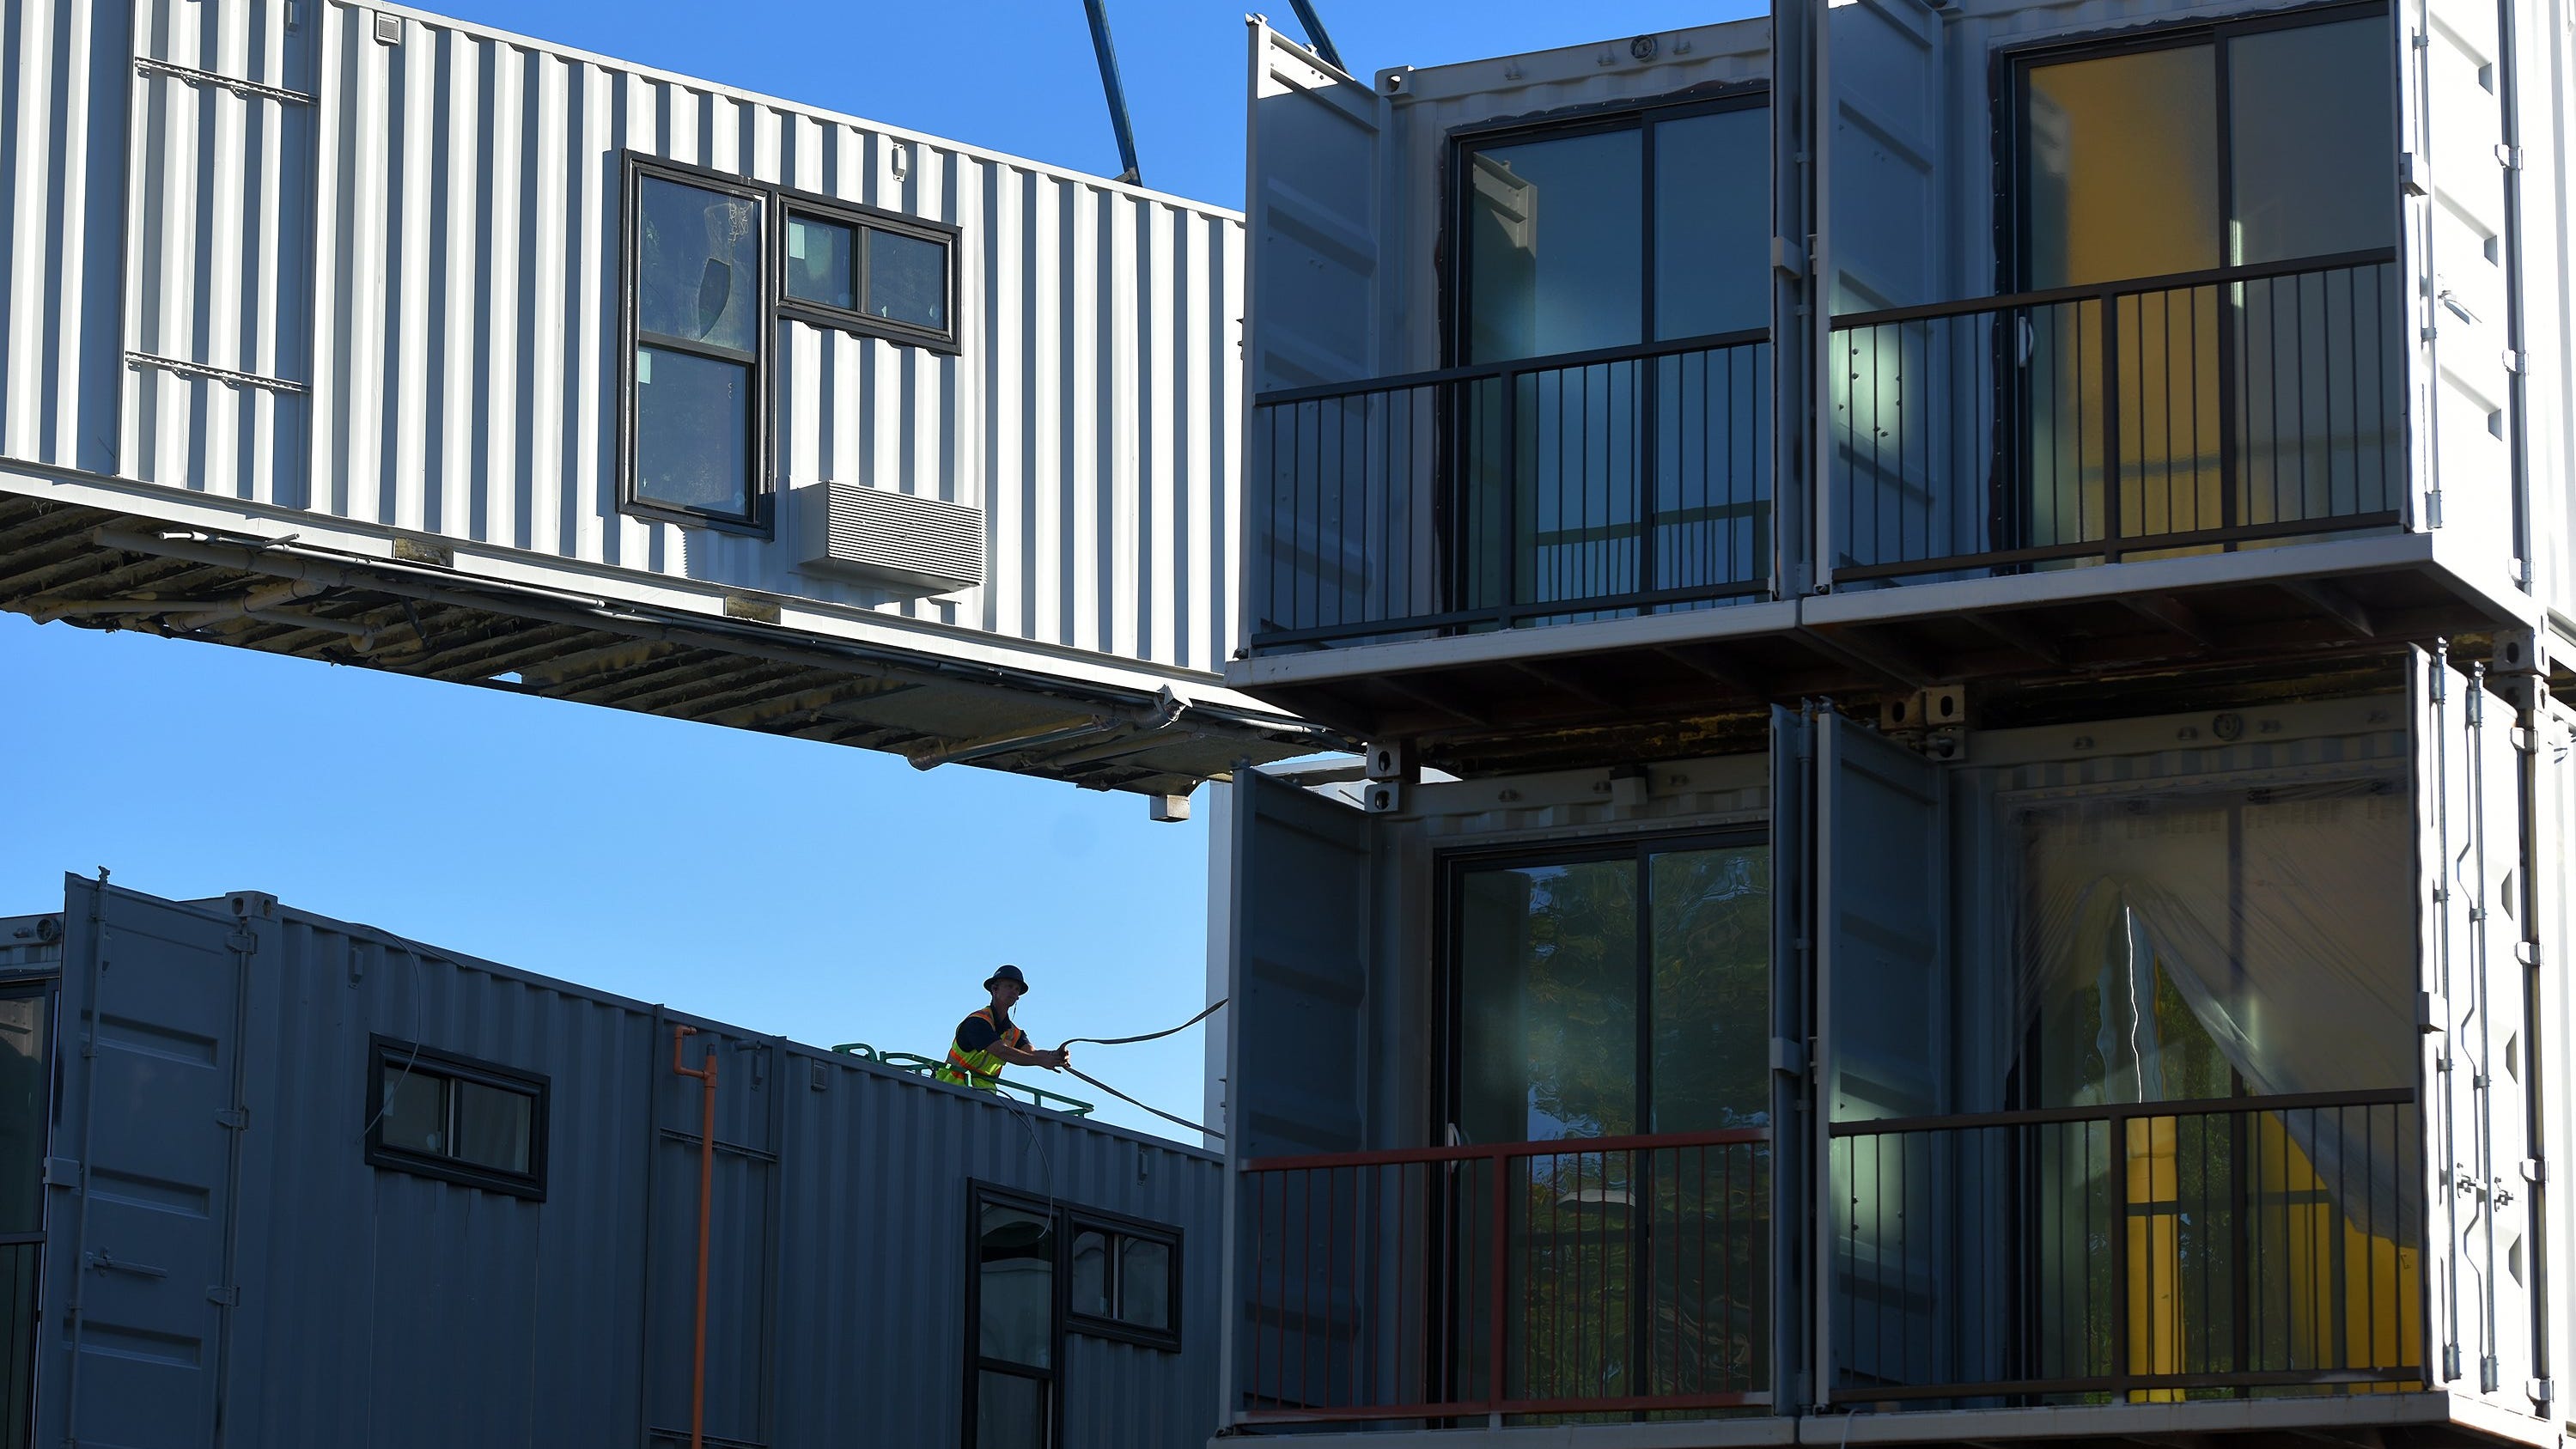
column 390, row 1310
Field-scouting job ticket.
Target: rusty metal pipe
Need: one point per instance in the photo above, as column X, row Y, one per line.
column 706, row 1213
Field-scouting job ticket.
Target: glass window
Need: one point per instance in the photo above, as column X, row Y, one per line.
column 822, row 262
column 699, row 278
column 492, row 1126
column 1145, row 1283
column 2123, row 167
column 1087, row 1292
column 1015, row 1261
column 1558, row 965
column 2136, row 166
column 692, row 431
column 907, row 279
column 475, row 1123
column 700, row 324
column 1553, row 230
column 1713, row 223
column 1010, row 1411
column 26, row 1111
column 2310, row 114
column 1559, row 254
column 415, row 1110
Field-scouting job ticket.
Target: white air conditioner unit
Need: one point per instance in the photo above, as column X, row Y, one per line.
column 892, row 540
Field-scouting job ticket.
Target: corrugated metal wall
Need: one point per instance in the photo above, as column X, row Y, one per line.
column 471, row 387
column 386, row 1309
column 63, row 69
column 380, row 281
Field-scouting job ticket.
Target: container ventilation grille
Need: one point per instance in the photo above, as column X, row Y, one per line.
column 896, row 538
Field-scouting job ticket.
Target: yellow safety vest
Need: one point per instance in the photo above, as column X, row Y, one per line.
column 981, row 1069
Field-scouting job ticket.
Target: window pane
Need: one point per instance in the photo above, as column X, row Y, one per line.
column 2314, row 133
column 1145, row 1282
column 1713, row 223
column 2123, row 167
column 822, row 262
column 1712, row 991
column 1015, row 1253
column 1555, row 245
column 907, row 279
column 1089, row 1290
column 1547, row 975
column 25, row 1107
column 415, row 1107
column 492, row 1126
column 1010, row 1411
column 700, row 265
column 692, row 431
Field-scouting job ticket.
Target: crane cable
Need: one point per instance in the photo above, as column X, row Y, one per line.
column 1069, row 1071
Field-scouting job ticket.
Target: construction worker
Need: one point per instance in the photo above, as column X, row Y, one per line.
column 987, row 1039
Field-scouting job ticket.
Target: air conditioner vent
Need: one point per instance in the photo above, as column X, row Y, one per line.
column 893, row 539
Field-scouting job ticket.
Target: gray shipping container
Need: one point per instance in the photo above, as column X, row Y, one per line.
column 227, row 1256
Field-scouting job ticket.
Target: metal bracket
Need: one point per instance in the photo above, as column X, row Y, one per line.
column 229, row 1295
column 236, row 1118
column 212, row 374
column 1788, row 1058
column 248, row 90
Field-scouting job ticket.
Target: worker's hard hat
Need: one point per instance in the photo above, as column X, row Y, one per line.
column 1010, row 974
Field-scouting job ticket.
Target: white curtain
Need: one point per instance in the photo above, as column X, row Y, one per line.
column 2284, row 919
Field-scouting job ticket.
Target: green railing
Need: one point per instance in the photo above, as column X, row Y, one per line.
column 921, row 1066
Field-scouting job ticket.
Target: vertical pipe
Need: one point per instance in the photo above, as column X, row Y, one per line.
column 706, row 1210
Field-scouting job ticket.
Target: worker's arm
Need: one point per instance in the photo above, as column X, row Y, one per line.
column 1020, row 1056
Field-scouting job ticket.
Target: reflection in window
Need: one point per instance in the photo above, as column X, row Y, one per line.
column 1122, row 1275
column 871, row 276
column 1556, row 962
column 450, row 1117
column 1015, row 1325
column 699, row 319
column 1558, row 252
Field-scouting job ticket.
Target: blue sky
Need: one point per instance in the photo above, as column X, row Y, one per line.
column 826, row 894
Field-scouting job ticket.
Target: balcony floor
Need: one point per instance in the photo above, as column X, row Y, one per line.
column 2385, row 1421
column 1672, row 684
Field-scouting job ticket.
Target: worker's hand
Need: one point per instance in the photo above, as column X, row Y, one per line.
column 1057, row 1060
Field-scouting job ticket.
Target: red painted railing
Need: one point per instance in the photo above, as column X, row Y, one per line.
column 1586, row 1276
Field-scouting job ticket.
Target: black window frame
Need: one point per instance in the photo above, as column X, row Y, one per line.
column 385, row 1053
column 757, row 515
column 950, row 239
column 1117, row 1228
column 1064, row 1220
column 980, row 1195
column 2010, row 87
column 1451, row 868
column 1642, row 115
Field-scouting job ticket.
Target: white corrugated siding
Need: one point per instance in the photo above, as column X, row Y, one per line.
column 219, row 247
column 468, row 190
column 63, row 65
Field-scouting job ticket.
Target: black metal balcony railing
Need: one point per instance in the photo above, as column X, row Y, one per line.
column 2094, row 423
column 1586, row 485
column 1604, row 1276
column 2141, row 1252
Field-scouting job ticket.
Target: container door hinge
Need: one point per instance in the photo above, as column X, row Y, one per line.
column 2542, row 1392
column 2527, row 952
column 62, row 1172
column 2431, row 1011
column 2509, row 157
column 236, row 1118
column 229, row 1295
column 1788, row 1057
column 2515, row 361
column 242, row 941
column 2535, row 1171
column 2410, row 175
